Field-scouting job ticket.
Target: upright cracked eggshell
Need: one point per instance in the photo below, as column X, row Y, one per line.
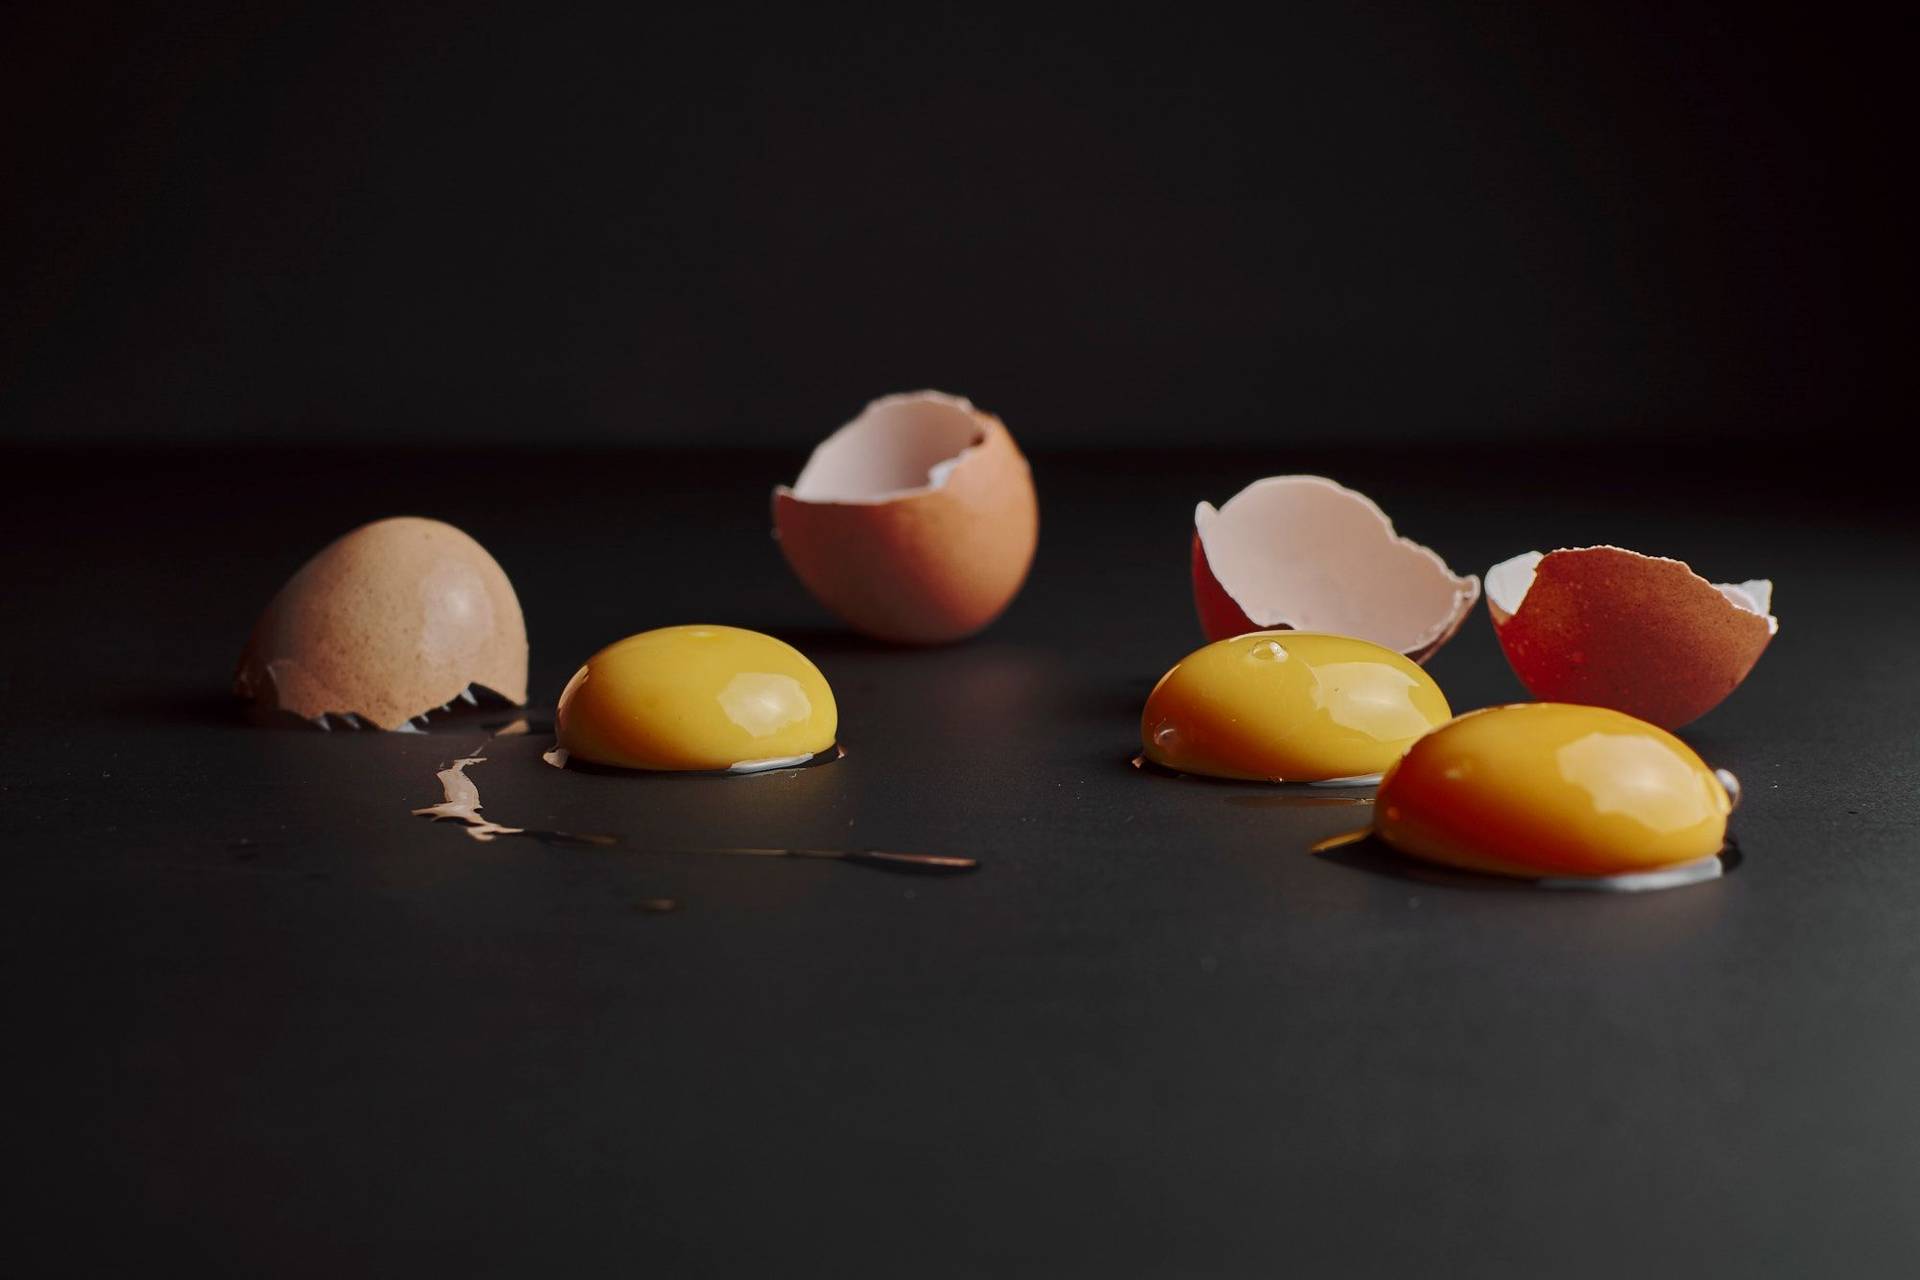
column 915, row 523
column 389, row 622
column 1607, row 627
column 1307, row 554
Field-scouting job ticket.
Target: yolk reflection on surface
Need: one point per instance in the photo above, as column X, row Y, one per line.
column 1289, row 706
column 696, row 698
column 1553, row 789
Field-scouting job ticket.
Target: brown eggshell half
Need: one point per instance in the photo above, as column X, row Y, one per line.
column 1307, row 554
column 915, row 523
column 1640, row 634
column 391, row 621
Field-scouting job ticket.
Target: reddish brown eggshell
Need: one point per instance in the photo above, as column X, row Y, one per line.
column 1640, row 634
column 915, row 523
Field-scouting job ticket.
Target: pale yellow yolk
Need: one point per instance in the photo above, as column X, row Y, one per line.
column 1550, row 789
column 696, row 698
column 1289, row 706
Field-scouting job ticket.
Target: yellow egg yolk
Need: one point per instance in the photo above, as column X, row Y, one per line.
column 1547, row 789
column 1289, row 706
column 701, row 697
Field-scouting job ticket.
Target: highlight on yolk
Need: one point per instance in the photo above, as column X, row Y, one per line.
column 1289, row 706
column 1548, row 789
column 697, row 698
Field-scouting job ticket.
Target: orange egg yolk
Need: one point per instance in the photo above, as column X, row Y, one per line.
column 697, row 698
column 1550, row 789
column 1289, row 706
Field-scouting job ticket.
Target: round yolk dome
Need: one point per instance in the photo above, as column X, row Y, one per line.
column 1289, row 706
column 1552, row 789
column 697, row 698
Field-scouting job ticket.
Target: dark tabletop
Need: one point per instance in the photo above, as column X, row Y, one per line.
column 264, row 1022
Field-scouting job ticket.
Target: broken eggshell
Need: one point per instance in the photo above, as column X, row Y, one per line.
column 1613, row 628
column 1304, row 553
column 915, row 523
column 390, row 621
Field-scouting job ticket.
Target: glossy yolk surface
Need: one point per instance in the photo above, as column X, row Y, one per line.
column 1289, row 706
column 701, row 697
column 1551, row 789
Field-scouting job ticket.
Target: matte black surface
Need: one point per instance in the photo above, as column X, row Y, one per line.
column 265, row 1022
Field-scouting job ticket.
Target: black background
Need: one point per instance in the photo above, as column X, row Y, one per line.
column 588, row 283
column 716, row 224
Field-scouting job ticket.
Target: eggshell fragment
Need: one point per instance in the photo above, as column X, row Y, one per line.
column 1640, row 634
column 916, row 522
column 391, row 621
column 1304, row 553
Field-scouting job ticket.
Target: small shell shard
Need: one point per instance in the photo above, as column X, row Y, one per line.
column 462, row 803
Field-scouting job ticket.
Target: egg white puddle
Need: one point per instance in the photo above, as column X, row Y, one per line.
column 1280, row 785
column 560, row 758
column 1369, row 852
column 1676, row 877
column 773, row 762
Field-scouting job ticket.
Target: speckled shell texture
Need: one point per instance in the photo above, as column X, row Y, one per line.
column 387, row 623
column 1647, row 636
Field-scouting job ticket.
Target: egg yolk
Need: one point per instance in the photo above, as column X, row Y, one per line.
column 701, row 697
column 1551, row 789
column 1289, row 706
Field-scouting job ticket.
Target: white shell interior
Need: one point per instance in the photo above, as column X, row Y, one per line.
column 1755, row 595
column 1305, row 552
column 1508, row 582
column 899, row 445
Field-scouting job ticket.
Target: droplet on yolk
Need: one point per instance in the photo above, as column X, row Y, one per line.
column 1289, row 706
column 693, row 698
column 1547, row 789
